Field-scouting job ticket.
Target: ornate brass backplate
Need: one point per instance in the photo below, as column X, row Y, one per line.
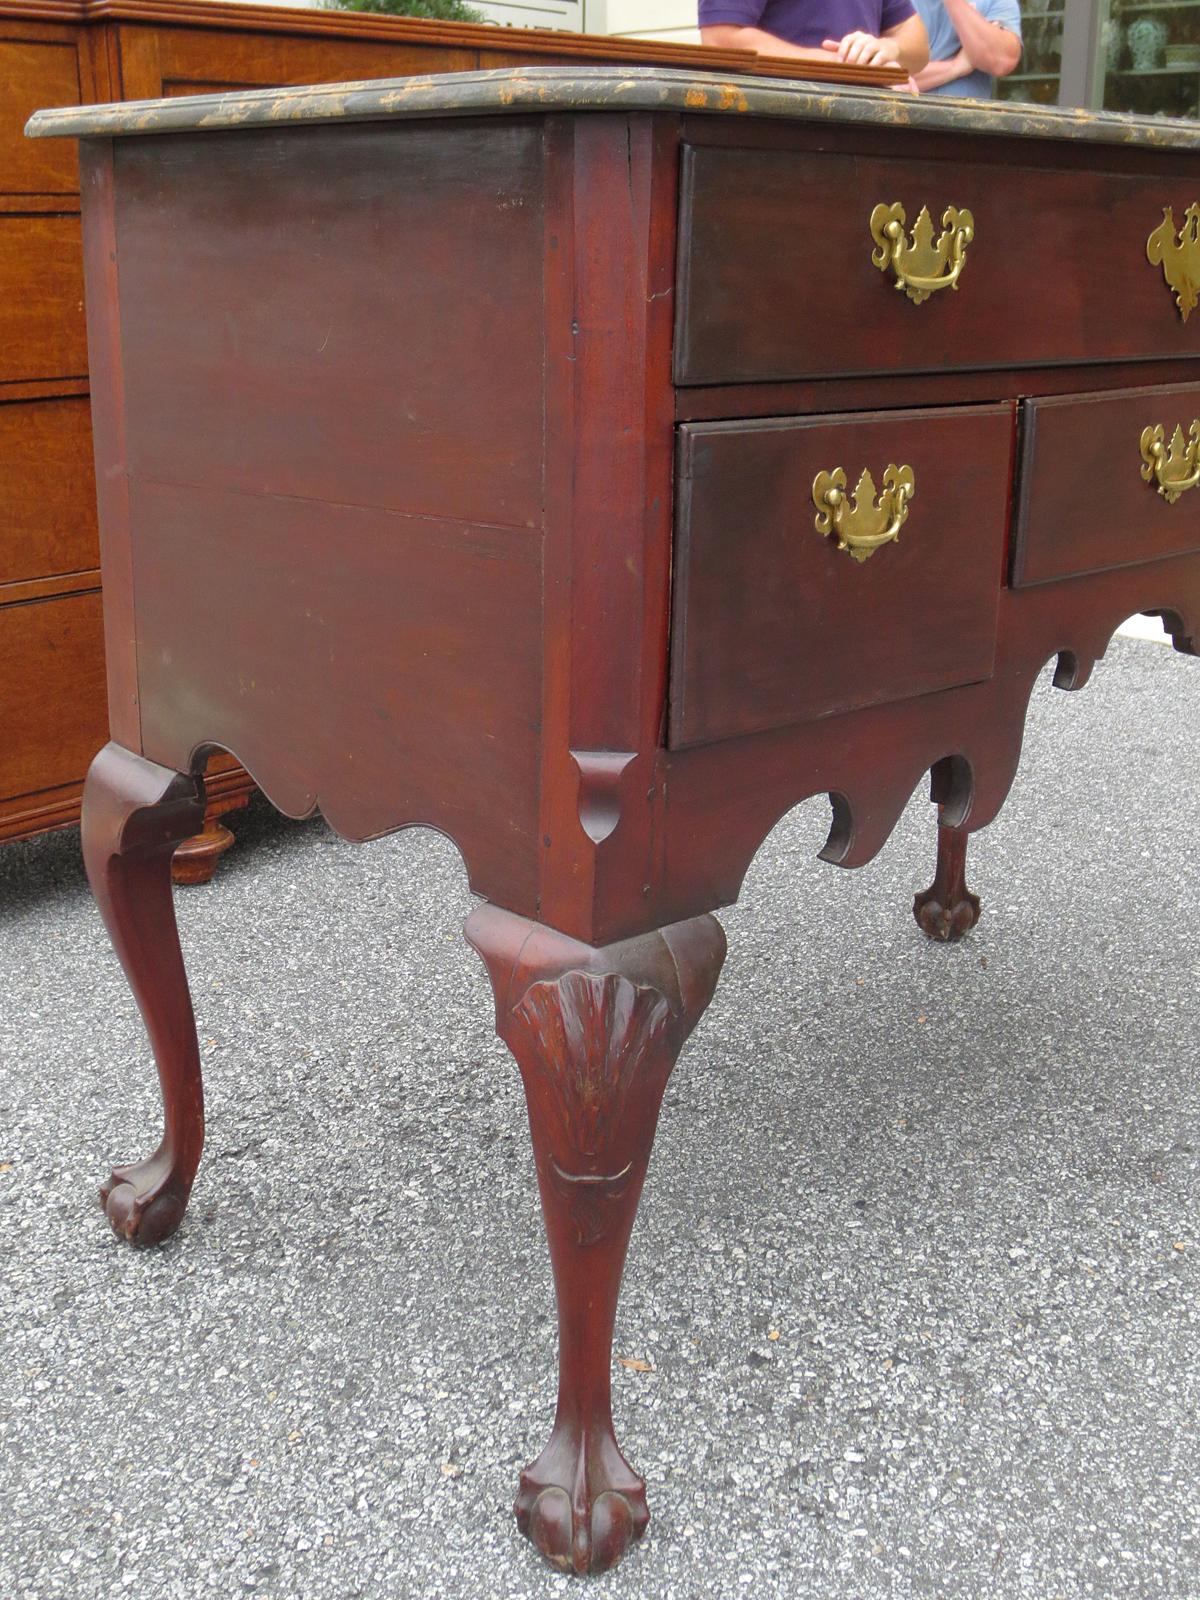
column 1179, row 256
column 860, row 524
column 1174, row 468
column 924, row 263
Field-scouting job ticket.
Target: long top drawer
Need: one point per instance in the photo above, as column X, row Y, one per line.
column 780, row 274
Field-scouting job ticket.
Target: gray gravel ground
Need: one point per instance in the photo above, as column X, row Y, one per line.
column 960, row 1185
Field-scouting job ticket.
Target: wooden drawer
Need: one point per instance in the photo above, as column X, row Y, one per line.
column 1084, row 504
column 33, row 74
column 773, row 624
column 197, row 61
column 52, row 697
column 776, row 278
column 42, row 331
column 47, row 490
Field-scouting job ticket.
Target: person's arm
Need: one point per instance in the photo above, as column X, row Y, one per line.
column 990, row 47
column 906, row 44
column 935, row 73
column 731, row 36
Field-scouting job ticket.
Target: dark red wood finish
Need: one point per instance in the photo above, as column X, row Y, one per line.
column 1084, row 501
column 134, row 816
column 947, row 910
column 774, row 624
column 67, row 52
column 376, row 454
column 776, row 276
column 442, row 492
column 595, row 1034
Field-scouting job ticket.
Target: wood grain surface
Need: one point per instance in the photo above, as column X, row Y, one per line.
column 52, row 731
column 1084, row 503
column 42, row 332
column 47, row 490
column 774, row 624
column 777, row 279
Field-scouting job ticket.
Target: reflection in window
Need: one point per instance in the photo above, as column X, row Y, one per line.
column 1038, row 76
column 1150, row 57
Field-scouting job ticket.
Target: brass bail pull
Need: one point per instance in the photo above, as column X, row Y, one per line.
column 862, row 523
column 1175, row 468
column 921, row 264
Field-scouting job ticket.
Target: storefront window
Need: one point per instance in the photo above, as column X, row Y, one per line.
column 1040, row 73
column 1149, row 57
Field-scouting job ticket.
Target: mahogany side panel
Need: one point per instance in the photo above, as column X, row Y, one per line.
column 360, row 456
column 108, row 439
column 301, row 372
column 397, row 685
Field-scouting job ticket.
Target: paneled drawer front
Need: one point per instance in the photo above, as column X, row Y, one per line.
column 1089, row 498
column 53, row 709
column 774, row 624
column 777, row 280
column 47, row 490
column 42, row 331
column 33, row 74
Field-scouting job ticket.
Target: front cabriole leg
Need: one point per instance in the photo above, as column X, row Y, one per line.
column 134, row 814
column 595, row 1032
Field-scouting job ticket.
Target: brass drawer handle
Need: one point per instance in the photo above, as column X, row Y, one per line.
column 926, row 263
column 859, row 524
column 1178, row 253
column 1174, row 468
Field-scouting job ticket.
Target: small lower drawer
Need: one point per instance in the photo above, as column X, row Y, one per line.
column 42, row 331
column 1090, row 500
column 47, row 489
column 52, row 700
column 773, row 623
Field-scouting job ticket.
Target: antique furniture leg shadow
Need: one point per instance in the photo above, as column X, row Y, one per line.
column 616, row 513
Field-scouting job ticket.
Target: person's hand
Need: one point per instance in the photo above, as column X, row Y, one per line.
column 935, row 73
column 862, row 49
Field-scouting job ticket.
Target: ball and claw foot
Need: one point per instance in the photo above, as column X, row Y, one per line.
column 946, row 924
column 581, row 1508
column 143, row 1203
column 947, row 909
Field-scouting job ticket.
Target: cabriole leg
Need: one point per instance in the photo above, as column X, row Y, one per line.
column 947, row 909
column 134, row 814
column 595, row 1032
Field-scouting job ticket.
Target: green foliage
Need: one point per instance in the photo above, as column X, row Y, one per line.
column 435, row 10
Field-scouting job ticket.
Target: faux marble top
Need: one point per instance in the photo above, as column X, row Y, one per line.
column 605, row 88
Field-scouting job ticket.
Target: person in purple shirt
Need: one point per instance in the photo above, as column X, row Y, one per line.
column 867, row 32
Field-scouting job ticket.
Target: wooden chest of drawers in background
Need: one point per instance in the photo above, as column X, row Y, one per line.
column 53, row 715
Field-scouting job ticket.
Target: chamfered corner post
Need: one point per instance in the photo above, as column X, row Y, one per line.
column 947, row 909
column 596, row 1032
column 134, row 815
